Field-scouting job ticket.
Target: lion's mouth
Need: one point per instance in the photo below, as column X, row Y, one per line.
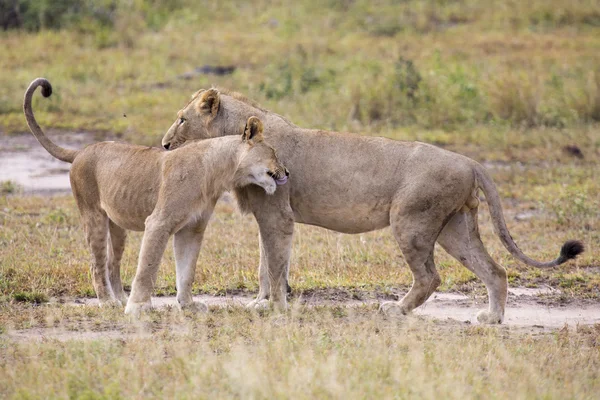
column 278, row 180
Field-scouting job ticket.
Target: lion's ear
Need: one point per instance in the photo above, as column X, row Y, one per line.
column 208, row 102
column 253, row 132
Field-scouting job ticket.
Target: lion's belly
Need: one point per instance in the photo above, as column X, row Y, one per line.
column 129, row 222
column 345, row 217
column 334, row 224
column 133, row 220
column 129, row 208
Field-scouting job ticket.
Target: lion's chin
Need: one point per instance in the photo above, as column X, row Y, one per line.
column 270, row 189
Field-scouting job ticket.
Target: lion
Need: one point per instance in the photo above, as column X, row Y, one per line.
column 119, row 187
column 353, row 184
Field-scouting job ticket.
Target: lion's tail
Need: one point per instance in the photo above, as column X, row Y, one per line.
column 569, row 250
column 61, row 153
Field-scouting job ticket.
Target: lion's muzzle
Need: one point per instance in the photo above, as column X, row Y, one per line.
column 280, row 177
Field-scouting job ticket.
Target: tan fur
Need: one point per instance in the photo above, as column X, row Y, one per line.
column 354, row 184
column 121, row 187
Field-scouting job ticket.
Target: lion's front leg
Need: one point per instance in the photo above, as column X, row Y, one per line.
column 187, row 243
column 263, row 279
column 275, row 220
column 154, row 243
column 264, row 286
column 276, row 244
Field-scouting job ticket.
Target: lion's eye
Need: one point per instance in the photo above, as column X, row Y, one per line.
column 181, row 121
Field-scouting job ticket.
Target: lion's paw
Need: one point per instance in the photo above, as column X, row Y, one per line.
column 264, row 304
column 111, row 303
column 259, row 304
column 392, row 309
column 135, row 309
column 487, row 317
column 122, row 297
column 196, row 307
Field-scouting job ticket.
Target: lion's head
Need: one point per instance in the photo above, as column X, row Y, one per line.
column 258, row 163
column 206, row 116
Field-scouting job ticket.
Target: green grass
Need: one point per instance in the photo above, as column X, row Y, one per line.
column 414, row 66
column 29, row 297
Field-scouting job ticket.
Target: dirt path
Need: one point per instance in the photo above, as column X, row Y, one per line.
column 526, row 313
column 525, row 308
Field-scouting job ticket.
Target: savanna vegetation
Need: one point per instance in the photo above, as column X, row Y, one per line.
column 512, row 84
column 309, row 353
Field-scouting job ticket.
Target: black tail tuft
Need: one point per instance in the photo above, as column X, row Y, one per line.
column 570, row 250
column 46, row 88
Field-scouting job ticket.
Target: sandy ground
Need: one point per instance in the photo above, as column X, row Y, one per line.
column 525, row 307
column 527, row 312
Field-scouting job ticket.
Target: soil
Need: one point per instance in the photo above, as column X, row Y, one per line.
column 25, row 162
column 528, row 312
column 526, row 307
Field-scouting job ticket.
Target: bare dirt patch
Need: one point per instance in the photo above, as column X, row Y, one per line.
column 527, row 312
column 25, row 162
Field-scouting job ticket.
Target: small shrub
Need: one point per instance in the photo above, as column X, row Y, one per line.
column 278, row 83
column 407, row 79
column 294, row 77
column 30, row 297
column 515, row 97
column 56, row 217
column 8, row 187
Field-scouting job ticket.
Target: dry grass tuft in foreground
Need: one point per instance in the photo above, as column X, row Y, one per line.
column 310, row 353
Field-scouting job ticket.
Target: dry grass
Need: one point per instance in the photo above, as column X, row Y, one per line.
column 310, row 353
column 509, row 83
column 43, row 253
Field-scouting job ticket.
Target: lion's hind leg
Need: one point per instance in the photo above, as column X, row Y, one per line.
column 96, row 231
column 116, row 246
column 416, row 236
column 460, row 238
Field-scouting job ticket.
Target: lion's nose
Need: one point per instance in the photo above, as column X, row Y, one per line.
column 166, row 146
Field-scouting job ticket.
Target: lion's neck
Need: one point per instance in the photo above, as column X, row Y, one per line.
column 237, row 111
column 219, row 164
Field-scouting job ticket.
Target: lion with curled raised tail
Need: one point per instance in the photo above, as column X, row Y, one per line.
column 352, row 184
column 120, row 187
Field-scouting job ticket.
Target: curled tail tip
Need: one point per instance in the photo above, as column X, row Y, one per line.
column 46, row 86
column 44, row 83
column 570, row 250
column 46, row 89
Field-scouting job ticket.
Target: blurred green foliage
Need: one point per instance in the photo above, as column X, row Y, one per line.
column 34, row 15
column 357, row 65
